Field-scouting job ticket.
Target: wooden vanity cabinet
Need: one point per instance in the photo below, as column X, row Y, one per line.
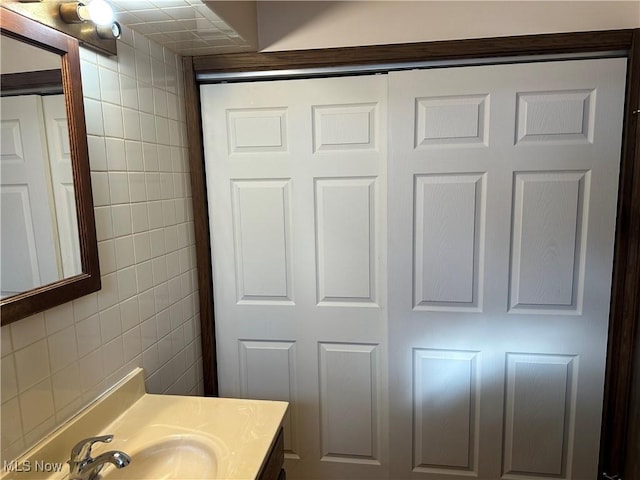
column 272, row 468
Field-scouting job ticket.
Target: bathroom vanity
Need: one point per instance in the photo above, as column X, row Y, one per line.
column 167, row 436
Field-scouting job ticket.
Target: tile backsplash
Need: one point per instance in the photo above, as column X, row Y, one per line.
column 147, row 312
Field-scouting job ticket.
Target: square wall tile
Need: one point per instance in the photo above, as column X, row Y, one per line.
column 116, row 159
column 140, row 217
column 131, row 120
column 159, row 266
column 148, row 333
column 145, row 97
column 127, row 286
column 107, row 256
column 58, row 318
column 91, row 372
column 137, row 186
column 84, row 307
column 109, row 86
column 88, row 335
column 127, row 64
column 108, row 295
column 144, row 276
column 121, row 217
column 36, row 405
column 104, row 224
column 130, row 313
column 100, row 188
column 143, row 67
column 90, row 80
column 160, row 103
column 27, row 331
column 119, row 187
column 165, row 163
column 63, row 348
column 150, row 155
column 142, row 247
column 150, row 359
column 113, row 126
column 124, row 252
column 66, row 388
column 154, row 191
column 113, row 355
column 9, row 378
column 148, row 127
column 5, row 338
column 93, row 117
column 133, row 151
column 11, row 426
column 132, row 344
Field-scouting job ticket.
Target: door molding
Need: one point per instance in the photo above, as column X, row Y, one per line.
column 625, row 301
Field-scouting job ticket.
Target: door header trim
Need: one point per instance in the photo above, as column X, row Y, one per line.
column 299, row 73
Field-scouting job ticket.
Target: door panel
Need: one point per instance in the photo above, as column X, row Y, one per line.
column 449, row 221
column 349, row 389
column 296, row 174
column 446, row 382
column 502, row 193
column 539, row 413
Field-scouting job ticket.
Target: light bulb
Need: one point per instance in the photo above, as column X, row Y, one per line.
column 100, row 12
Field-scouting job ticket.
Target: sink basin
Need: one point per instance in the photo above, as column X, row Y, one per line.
column 180, row 457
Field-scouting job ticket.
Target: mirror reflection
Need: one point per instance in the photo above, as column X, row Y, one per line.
column 40, row 240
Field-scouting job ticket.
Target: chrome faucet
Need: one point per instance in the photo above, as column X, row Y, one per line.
column 83, row 467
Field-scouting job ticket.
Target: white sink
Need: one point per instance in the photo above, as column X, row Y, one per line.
column 176, row 457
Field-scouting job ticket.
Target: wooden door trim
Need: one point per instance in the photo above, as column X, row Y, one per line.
column 554, row 43
column 625, row 304
column 625, row 301
column 201, row 228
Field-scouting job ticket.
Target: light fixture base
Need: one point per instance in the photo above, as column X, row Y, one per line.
column 48, row 13
column 70, row 12
column 114, row 30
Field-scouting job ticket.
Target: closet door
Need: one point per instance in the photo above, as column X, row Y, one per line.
column 27, row 226
column 296, row 178
column 502, row 201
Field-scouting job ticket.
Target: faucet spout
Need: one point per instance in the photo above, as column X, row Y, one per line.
column 114, row 457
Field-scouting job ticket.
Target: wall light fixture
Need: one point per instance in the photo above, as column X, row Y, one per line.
column 97, row 11
column 90, row 21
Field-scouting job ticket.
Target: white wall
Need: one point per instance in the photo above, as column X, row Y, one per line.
column 21, row 57
column 292, row 25
column 146, row 313
column 240, row 15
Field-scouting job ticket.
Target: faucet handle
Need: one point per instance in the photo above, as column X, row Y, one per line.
column 83, row 448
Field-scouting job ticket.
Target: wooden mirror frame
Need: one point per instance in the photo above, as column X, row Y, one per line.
column 47, row 296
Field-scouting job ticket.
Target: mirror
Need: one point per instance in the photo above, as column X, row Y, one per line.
column 48, row 245
column 39, row 225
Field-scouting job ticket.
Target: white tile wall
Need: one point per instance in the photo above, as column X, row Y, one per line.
column 147, row 312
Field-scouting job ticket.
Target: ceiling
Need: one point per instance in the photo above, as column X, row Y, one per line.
column 187, row 27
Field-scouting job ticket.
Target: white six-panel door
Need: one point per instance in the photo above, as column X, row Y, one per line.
column 489, row 360
column 502, row 201
column 296, row 178
column 29, row 242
